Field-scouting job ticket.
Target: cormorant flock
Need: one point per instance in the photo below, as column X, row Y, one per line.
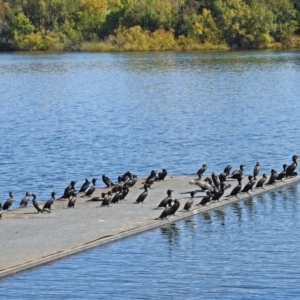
column 214, row 187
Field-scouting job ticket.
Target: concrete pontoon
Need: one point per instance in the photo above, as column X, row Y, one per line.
column 29, row 239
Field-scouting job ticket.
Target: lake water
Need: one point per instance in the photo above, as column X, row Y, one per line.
column 70, row 116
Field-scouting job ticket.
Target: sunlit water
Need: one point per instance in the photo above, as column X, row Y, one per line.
column 70, row 116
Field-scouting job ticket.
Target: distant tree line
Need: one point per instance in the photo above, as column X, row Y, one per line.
column 134, row 25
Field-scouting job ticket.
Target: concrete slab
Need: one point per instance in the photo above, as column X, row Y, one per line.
column 29, row 239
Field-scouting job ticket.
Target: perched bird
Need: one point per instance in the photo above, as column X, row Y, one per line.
column 205, row 199
column 72, row 200
column 256, row 169
column 116, row 188
column 170, row 211
column 290, row 170
column 190, row 202
column 165, row 201
column 132, row 180
column 165, row 213
column 237, row 188
column 273, row 176
column 107, row 199
column 117, row 197
column 283, row 173
column 126, row 176
column 227, row 169
column 202, row 184
column 36, row 205
column 69, row 190
column 92, row 189
column 107, row 181
column 261, row 181
column 161, row 175
column 8, row 203
column 85, row 186
column 0, row 211
column 201, row 171
column 216, row 180
column 125, row 191
column 49, row 203
column 151, row 179
column 25, row 200
column 174, row 207
column 223, row 177
column 143, row 195
column 248, row 186
column 238, row 173
column 218, row 194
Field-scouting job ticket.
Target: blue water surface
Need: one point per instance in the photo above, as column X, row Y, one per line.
column 70, row 116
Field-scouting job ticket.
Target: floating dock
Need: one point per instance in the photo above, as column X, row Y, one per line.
column 30, row 239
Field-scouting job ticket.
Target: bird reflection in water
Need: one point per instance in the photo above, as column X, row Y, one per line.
column 249, row 206
column 237, row 209
column 207, row 217
column 220, row 214
column 172, row 232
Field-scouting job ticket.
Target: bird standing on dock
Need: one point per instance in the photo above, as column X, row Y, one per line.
column 125, row 191
column 290, row 170
column 25, row 200
column 35, row 204
column 8, row 203
column 256, row 169
column 131, row 181
column 190, row 202
column 261, row 181
column 92, row 189
column 205, row 199
column 227, row 169
column 273, row 176
column 69, row 190
column 170, row 211
column 165, row 201
column 161, row 175
column 143, row 195
column 218, row 194
column 117, row 197
column 238, row 173
column 72, row 200
column 216, row 180
column 106, row 180
column 49, row 203
column 283, row 173
column 174, row 207
column 237, row 188
column 201, row 171
column 85, row 186
column 106, row 199
column 248, row 186
column 151, row 179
